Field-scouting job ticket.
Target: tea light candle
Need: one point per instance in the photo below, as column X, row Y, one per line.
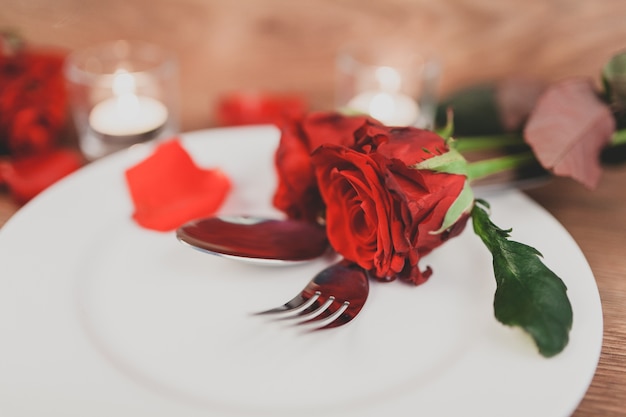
column 385, row 102
column 392, row 109
column 126, row 114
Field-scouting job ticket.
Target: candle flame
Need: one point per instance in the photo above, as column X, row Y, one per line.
column 124, row 87
column 123, row 83
column 388, row 79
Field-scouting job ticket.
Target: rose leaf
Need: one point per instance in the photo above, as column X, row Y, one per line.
column 528, row 293
column 568, row 129
column 614, row 82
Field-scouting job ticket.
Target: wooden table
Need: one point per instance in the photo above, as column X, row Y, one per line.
column 597, row 221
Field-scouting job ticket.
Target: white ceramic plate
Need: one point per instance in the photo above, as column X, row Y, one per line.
column 99, row 317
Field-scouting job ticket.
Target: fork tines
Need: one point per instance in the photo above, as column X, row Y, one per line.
column 332, row 298
column 319, row 313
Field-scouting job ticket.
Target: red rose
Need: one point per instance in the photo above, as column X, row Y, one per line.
column 32, row 100
column 297, row 194
column 29, row 175
column 380, row 213
column 259, row 108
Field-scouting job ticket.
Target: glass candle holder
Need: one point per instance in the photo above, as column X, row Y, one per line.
column 122, row 93
column 388, row 82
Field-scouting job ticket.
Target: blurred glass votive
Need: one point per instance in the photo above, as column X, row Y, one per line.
column 389, row 82
column 122, row 93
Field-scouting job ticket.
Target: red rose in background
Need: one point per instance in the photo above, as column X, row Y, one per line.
column 32, row 100
column 380, row 213
column 259, row 108
column 297, row 193
column 29, row 175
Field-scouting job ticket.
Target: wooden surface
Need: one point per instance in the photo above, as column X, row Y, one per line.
column 284, row 45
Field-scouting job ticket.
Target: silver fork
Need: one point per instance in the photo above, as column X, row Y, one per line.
column 331, row 299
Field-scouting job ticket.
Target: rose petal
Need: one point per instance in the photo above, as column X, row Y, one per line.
column 297, row 193
column 168, row 188
column 27, row 176
column 322, row 128
column 33, row 100
column 568, row 129
column 411, row 145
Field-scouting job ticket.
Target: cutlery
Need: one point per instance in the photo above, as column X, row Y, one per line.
column 256, row 239
column 331, row 299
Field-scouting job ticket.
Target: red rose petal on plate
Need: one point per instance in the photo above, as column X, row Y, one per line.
column 27, row 176
column 169, row 189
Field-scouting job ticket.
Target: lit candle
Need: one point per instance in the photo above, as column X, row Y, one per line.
column 127, row 114
column 386, row 103
column 392, row 109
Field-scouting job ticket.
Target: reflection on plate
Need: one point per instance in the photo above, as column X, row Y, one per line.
column 99, row 317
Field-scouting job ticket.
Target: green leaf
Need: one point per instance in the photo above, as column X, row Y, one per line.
column 614, row 82
column 528, row 294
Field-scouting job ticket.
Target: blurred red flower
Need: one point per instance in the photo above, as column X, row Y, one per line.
column 33, row 100
column 251, row 108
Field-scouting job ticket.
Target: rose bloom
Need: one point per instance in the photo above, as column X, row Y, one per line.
column 32, row 100
column 297, row 194
column 380, row 213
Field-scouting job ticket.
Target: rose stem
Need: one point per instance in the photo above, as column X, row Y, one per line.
column 476, row 143
column 484, row 168
column 481, row 169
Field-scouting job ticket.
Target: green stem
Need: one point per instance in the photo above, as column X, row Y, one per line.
column 479, row 143
column 484, row 168
column 476, row 143
column 481, row 169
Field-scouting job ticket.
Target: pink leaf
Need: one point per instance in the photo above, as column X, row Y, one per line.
column 568, row 128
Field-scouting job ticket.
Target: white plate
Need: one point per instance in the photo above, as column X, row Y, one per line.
column 99, row 317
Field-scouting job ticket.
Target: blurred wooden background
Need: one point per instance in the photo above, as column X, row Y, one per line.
column 284, row 45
